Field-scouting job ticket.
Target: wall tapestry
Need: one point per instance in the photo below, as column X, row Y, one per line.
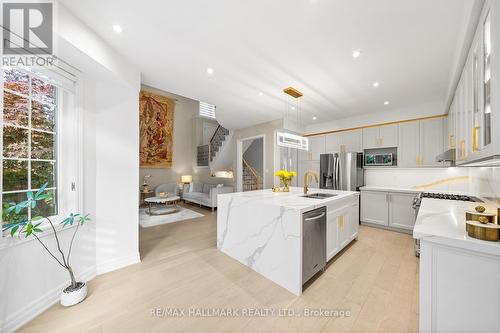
column 156, row 121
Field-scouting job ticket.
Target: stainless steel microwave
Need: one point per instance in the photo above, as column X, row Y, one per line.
column 379, row 159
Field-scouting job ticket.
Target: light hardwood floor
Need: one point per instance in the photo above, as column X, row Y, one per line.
column 376, row 279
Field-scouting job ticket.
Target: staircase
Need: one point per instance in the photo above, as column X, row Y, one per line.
column 251, row 180
column 207, row 153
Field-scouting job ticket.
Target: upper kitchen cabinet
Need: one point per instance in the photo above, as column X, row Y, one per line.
column 409, row 144
column 332, row 143
column 420, row 142
column 351, row 141
column 316, row 148
column 346, row 141
column 476, row 102
column 380, row 137
column 431, row 141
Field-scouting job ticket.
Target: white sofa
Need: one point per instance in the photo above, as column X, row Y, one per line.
column 204, row 194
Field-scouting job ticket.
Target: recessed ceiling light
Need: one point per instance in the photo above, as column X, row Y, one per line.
column 356, row 53
column 314, row 118
column 261, row 93
column 210, row 70
column 293, row 107
column 376, row 84
column 386, row 103
column 117, row 28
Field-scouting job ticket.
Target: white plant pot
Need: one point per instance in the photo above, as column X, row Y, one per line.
column 74, row 297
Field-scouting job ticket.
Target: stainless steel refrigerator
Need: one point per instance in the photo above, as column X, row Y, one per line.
column 341, row 171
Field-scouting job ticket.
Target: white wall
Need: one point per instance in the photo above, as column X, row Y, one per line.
column 184, row 147
column 30, row 281
column 117, row 176
column 412, row 112
column 268, row 130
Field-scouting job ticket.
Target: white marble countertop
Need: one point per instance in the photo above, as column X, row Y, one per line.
column 443, row 221
column 293, row 199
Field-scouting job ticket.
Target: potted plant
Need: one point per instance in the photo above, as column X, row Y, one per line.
column 285, row 177
column 21, row 225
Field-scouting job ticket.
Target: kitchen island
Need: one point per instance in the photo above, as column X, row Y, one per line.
column 263, row 229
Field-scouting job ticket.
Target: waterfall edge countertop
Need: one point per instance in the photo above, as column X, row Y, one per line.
column 443, row 221
column 263, row 230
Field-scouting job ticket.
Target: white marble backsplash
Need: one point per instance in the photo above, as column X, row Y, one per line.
column 484, row 182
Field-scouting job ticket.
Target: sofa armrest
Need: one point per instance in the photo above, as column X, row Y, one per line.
column 216, row 191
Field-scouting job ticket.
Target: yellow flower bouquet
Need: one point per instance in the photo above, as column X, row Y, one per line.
column 286, row 177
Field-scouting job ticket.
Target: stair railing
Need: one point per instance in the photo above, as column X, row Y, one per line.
column 258, row 180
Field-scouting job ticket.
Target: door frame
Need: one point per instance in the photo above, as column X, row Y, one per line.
column 239, row 160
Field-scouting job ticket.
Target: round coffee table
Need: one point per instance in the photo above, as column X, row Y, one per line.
column 160, row 203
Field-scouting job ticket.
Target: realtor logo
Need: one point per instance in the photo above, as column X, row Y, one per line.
column 27, row 28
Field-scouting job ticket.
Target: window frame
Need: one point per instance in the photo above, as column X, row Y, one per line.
column 68, row 132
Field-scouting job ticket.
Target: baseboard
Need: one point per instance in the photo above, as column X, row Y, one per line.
column 117, row 263
column 379, row 226
column 36, row 307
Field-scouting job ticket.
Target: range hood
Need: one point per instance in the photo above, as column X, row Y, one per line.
column 447, row 156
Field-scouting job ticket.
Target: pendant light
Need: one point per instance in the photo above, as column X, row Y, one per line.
column 287, row 138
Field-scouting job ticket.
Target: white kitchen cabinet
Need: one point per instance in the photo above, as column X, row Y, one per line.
column 474, row 118
column 332, row 143
column 316, row 147
column 388, row 136
column 354, row 221
column 409, row 144
column 341, row 226
column 401, row 212
column 420, row 142
column 380, row 137
column 392, row 209
column 370, row 137
column 332, row 231
column 431, row 141
column 352, row 141
column 374, row 207
column 348, row 141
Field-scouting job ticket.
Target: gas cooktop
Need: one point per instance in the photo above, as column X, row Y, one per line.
column 458, row 197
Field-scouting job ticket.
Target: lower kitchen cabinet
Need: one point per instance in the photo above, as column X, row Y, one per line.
column 374, row 207
column 389, row 209
column 401, row 212
column 342, row 226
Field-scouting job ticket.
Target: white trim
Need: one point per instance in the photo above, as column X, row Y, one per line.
column 117, row 263
column 39, row 305
column 239, row 160
column 36, row 307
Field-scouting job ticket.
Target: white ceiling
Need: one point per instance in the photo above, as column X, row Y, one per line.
column 264, row 46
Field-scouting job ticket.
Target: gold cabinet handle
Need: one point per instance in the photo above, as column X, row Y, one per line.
column 341, row 222
column 342, row 148
column 475, row 139
column 452, row 141
column 418, row 160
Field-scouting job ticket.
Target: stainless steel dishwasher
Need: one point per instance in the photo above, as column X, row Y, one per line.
column 313, row 242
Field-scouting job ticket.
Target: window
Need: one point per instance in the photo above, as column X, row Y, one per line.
column 29, row 155
column 207, row 110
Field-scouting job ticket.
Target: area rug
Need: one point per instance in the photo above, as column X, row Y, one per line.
column 146, row 220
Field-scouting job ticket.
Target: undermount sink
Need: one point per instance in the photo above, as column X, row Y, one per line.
column 319, row 195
